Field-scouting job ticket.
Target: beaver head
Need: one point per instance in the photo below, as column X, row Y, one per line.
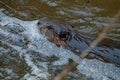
column 65, row 35
column 57, row 33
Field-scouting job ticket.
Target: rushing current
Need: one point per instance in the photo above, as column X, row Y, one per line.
column 25, row 54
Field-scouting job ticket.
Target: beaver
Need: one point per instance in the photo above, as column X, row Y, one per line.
column 65, row 35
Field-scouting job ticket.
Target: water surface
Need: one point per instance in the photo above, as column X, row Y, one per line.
column 25, row 54
column 89, row 17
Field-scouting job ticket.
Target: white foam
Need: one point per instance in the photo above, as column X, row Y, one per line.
column 35, row 70
column 38, row 43
column 99, row 70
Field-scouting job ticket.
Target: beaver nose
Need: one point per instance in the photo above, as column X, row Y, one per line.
column 39, row 23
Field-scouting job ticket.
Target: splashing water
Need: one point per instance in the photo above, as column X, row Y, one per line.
column 25, row 54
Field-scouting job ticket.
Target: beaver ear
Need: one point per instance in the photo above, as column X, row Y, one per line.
column 72, row 26
column 49, row 27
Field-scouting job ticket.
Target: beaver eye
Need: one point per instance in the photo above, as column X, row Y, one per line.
column 64, row 35
column 49, row 27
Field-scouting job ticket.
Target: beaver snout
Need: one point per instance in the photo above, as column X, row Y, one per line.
column 40, row 23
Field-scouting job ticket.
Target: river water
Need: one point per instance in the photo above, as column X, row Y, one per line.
column 88, row 17
column 25, row 54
